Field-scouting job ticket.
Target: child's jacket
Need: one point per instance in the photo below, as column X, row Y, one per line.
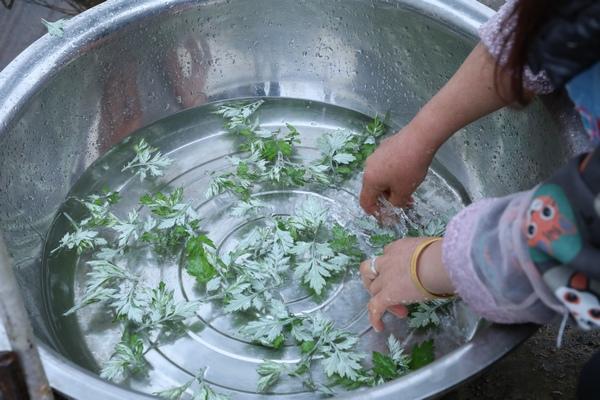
column 530, row 255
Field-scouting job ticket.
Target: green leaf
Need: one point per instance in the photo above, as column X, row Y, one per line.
column 237, row 116
column 307, row 346
column 301, row 331
column 127, row 359
column 433, row 228
column 401, row 360
column 384, row 366
column 98, row 207
column 343, row 241
column 243, row 169
column 238, row 302
column 175, row 393
column 198, row 259
column 171, row 223
column 269, row 159
column 344, row 151
column 316, row 261
column 81, row 239
column 56, row 28
column 381, row 240
column 365, row 152
column 314, row 273
column 278, row 342
column 127, row 230
column 352, row 384
column 168, row 241
column 376, row 127
column 422, row 354
column 213, row 284
column 343, row 158
column 101, row 284
column 131, row 301
column 270, row 150
column 270, row 373
column 343, row 170
column 301, row 368
column 427, row 314
column 267, row 331
column 343, row 362
column 148, row 161
column 167, row 205
column 204, row 391
column 164, row 311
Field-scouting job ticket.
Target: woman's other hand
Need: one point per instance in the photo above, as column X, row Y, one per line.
column 395, row 169
column 400, row 163
column 392, row 288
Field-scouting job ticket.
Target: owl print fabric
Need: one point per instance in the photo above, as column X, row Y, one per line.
column 562, row 228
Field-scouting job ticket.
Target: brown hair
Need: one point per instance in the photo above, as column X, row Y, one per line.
column 69, row 7
column 530, row 16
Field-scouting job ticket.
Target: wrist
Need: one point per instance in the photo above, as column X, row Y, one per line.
column 426, row 130
column 415, row 137
column 431, row 270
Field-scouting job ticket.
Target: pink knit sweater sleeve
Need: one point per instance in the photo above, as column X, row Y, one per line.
column 486, row 256
column 494, row 33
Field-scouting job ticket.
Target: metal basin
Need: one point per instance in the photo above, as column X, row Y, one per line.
column 128, row 63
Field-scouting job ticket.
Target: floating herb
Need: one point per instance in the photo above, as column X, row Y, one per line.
column 204, row 391
column 81, row 239
column 56, row 28
column 427, row 314
column 148, row 161
column 422, row 354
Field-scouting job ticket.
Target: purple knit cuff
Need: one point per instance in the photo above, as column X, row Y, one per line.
column 456, row 256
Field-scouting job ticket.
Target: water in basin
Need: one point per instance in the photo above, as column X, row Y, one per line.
column 199, row 145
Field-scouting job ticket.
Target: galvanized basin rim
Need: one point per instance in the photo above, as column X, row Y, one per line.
column 35, row 68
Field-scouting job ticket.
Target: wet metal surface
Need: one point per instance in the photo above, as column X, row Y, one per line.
column 127, row 64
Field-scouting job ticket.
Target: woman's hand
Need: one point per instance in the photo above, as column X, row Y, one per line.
column 392, row 287
column 400, row 163
column 395, row 169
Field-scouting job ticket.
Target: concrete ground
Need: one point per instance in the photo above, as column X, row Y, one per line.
column 537, row 370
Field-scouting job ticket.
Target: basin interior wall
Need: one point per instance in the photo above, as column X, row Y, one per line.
column 126, row 71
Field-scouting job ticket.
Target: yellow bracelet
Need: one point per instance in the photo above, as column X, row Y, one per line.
column 414, row 274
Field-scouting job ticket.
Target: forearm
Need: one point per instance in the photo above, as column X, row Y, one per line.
column 469, row 95
column 400, row 163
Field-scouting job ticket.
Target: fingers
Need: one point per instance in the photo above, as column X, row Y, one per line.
column 398, row 200
column 369, row 196
column 376, row 285
column 366, row 274
column 372, row 281
column 377, row 307
column 399, row 310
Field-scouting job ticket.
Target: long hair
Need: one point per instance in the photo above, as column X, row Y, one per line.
column 530, row 16
column 68, row 7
